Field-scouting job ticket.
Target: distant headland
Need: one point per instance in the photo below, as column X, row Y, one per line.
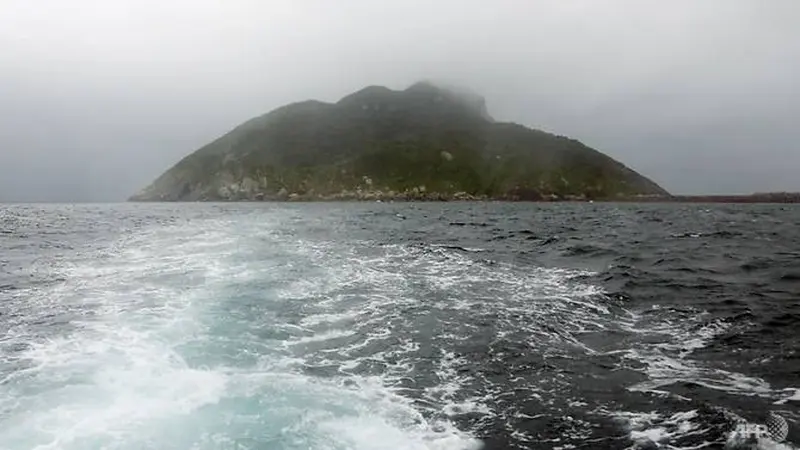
column 761, row 197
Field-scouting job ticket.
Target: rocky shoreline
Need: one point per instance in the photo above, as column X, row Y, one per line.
column 253, row 190
column 417, row 195
column 770, row 197
column 235, row 193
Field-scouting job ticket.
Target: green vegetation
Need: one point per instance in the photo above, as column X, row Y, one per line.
column 424, row 142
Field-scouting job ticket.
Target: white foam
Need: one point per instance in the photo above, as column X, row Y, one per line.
column 398, row 278
column 375, row 433
column 166, row 360
column 652, row 428
column 317, row 319
column 789, row 395
column 117, row 369
column 369, row 430
column 668, row 360
column 320, row 337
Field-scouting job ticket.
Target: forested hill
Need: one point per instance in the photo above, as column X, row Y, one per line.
column 425, row 142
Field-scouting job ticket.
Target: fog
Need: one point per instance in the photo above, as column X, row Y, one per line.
column 97, row 98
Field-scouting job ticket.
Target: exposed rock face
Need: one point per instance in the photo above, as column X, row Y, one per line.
column 423, row 143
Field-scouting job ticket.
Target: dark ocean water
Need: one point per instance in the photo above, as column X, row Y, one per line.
column 398, row 326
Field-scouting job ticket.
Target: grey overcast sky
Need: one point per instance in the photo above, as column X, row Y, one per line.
column 97, row 97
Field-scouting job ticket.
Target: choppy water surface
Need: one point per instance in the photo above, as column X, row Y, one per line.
column 396, row 326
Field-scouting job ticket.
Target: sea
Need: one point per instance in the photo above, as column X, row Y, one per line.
column 441, row 326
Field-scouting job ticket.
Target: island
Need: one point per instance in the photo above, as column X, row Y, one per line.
column 426, row 142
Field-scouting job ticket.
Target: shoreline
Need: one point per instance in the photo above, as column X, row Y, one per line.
column 772, row 198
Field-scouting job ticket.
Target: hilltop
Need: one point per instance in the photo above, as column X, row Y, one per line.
column 424, row 142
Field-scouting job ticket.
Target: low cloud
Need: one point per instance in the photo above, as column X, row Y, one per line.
column 100, row 97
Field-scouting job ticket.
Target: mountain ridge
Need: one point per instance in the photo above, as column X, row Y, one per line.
column 424, row 142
